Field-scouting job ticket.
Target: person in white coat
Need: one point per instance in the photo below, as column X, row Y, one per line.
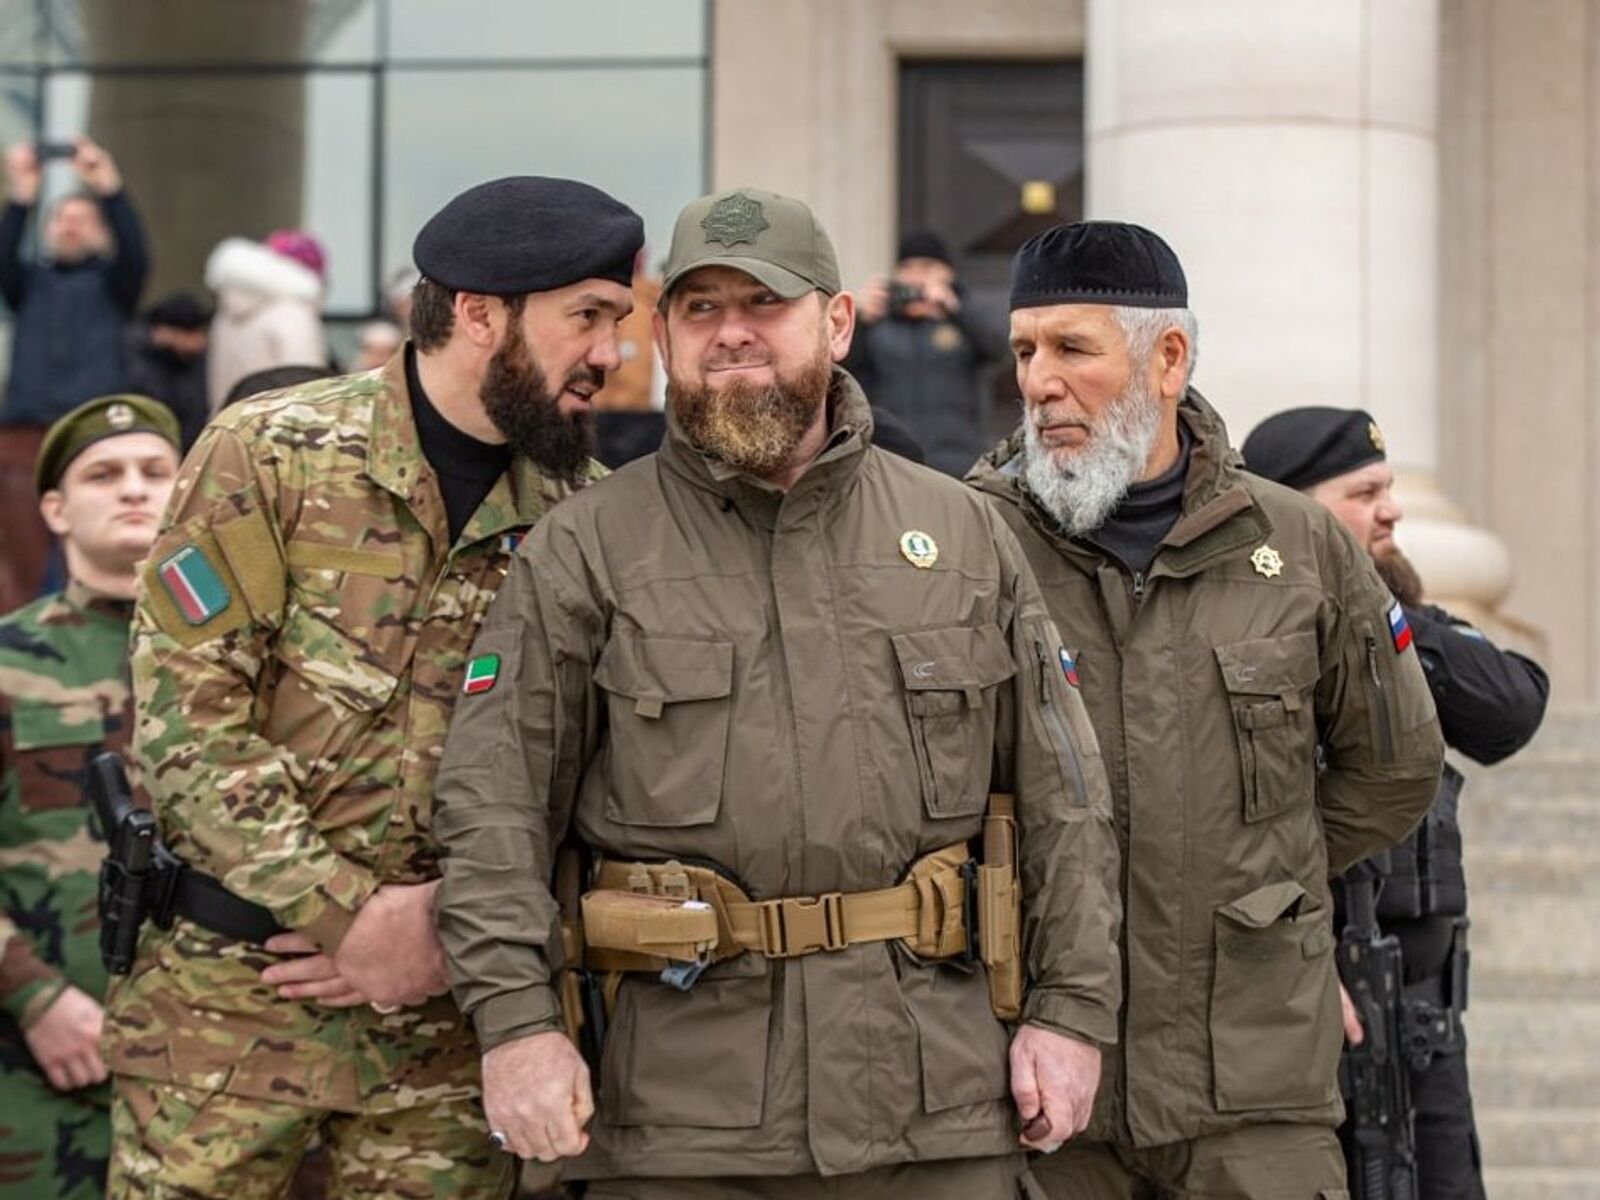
column 269, row 307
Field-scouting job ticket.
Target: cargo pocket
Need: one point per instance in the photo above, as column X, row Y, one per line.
column 950, row 676
column 964, row 1048
column 668, row 704
column 1269, row 682
column 693, row 1059
column 1275, row 1024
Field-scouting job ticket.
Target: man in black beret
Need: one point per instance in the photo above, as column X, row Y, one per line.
column 925, row 350
column 1221, row 629
column 329, row 554
column 1491, row 702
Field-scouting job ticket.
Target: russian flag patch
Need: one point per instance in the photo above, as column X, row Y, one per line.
column 1068, row 667
column 1399, row 630
column 510, row 541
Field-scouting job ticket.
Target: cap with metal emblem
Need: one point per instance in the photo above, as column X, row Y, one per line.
column 774, row 239
column 94, row 421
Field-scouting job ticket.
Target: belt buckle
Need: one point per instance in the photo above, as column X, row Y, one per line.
column 802, row 925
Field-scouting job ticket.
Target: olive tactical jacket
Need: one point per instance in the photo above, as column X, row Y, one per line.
column 687, row 664
column 1260, row 633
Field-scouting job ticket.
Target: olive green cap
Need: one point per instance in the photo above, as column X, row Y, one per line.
column 94, row 421
column 771, row 238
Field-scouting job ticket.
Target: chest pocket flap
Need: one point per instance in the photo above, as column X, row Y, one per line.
column 668, row 709
column 1269, row 682
column 954, row 660
column 949, row 677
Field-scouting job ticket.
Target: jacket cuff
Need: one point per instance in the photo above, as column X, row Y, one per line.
column 326, row 914
column 512, row 1015
column 1060, row 1012
column 27, row 1004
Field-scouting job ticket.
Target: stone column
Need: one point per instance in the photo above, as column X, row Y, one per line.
column 204, row 155
column 1288, row 149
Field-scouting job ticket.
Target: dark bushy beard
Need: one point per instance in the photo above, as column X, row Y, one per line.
column 752, row 427
column 1085, row 489
column 518, row 400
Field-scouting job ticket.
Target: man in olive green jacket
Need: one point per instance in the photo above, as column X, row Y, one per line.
column 778, row 650
column 1262, row 722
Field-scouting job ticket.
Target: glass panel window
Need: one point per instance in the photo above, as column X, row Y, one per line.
column 637, row 134
column 468, row 30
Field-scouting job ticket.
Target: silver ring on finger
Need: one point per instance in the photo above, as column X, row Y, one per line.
column 499, row 1140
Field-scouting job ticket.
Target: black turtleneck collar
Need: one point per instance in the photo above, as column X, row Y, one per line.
column 467, row 468
column 1134, row 531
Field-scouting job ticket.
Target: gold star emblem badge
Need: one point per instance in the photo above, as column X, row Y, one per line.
column 1376, row 435
column 1267, row 561
column 919, row 549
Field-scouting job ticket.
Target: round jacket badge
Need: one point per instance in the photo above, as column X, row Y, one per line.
column 919, row 549
column 1267, row 561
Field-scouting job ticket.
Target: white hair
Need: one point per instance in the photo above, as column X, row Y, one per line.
column 1144, row 326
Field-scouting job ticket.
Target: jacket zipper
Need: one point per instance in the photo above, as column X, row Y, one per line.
column 1381, row 699
column 1055, row 724
column 1138, row 587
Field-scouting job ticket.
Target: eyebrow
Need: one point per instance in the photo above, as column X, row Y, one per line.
column 594, row 300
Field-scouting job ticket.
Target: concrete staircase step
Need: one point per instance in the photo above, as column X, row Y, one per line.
column 1551, row 1029
column 1540, row 1138
column 1534, row 1081
column 1542, row 1183
column 1496, row 868
column 1554, row 819
column 1535, row 933
column 1498, row 981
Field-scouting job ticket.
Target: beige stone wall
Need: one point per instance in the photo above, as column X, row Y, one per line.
column 1520, row 399
column 803, row 95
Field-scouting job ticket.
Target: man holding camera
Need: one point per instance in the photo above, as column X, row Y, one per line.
column 922, row 352
column 68, row 311
column 103, row 477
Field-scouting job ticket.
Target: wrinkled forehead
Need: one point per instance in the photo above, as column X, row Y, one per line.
column 1051, row 321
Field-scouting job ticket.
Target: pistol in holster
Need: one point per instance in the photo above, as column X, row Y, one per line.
column 675, row 919
column 141, row 880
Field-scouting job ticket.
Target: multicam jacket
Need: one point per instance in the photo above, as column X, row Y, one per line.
column 298, row 646
column 63, row 698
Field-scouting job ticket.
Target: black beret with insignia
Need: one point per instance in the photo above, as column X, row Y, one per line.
column 526, row 234
column 1098, row 262
column 1302, row 447
column 94, row 421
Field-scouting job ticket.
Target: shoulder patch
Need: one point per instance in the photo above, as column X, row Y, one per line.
column 482, row 673
column 193, row 584
column 1399, row 629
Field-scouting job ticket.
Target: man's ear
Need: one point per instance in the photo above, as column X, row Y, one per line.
column 658, row 332
column 841, row 317
column 480, row 319
column 1173, row 352
column 52, row 507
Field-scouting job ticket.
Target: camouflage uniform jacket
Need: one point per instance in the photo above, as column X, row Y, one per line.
column 298, row 645
column 63, row 697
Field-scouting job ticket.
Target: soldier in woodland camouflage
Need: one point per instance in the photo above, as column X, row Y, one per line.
column 298, row 647
column 104, row 473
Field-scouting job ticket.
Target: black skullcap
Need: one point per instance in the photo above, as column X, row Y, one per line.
column 1304, row 446
column 1098, row 262
column 180, row 310
column 528, row 234
column 923, row 243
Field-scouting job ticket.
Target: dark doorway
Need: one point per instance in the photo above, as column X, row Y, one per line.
column 990, row 154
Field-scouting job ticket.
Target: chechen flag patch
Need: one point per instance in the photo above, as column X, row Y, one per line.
column 482, row 672
column 1399, row 630
column 194, row 585
column 1068, row 667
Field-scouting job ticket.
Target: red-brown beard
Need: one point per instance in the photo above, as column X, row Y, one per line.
column 754, row 428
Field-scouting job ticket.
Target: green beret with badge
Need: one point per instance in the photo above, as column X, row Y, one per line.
column 94, row 421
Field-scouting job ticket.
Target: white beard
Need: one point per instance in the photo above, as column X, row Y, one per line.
column 1080, row 492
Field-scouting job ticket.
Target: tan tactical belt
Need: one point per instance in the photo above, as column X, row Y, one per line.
column 675, row 919
column 647, row 916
